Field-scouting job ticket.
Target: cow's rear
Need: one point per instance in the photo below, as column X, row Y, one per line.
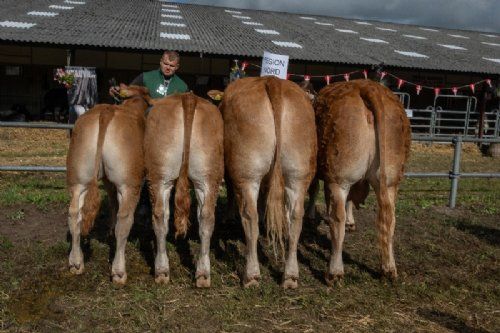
column 364, row 140
column 183, row 145
column 269, row 142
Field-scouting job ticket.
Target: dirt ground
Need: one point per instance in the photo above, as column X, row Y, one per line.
column 447, row 260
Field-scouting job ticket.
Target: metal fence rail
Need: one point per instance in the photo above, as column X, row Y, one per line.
column 454, row 175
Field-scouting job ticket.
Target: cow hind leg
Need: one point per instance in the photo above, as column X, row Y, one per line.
column 160, row 195
column 294, row 193
column 113, row 204
column 127, row 199
column 313, row 193
column 78, row 193
column 386, row 222
column 336, row 197
column 247, row 195
column 350, row 225
column 206, row 195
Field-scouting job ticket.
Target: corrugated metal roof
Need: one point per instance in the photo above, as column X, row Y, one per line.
column 138, row 24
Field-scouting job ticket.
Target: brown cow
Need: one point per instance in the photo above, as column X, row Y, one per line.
column 364, row 138
column 269, row 141
column 183, row 142
column 106, row 144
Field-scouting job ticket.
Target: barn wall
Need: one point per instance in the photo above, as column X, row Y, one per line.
column 26, row 73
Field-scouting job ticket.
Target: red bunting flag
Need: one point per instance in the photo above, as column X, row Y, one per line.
column 455, row 90
column 327, row 79
column 400, row 83
column 346, row 76
column 472, row 86
column 488, row 81
column 288, row 76
column 244, row 65
column 307, row 77
column 418, row 88
column 382, row 75
column 365, row 73
column 436, row 91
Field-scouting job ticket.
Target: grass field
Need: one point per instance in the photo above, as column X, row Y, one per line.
column 448, row 262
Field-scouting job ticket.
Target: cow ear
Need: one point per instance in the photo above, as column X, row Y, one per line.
column 216, row 95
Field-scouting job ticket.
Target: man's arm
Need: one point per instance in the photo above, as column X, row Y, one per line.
column 138, row 81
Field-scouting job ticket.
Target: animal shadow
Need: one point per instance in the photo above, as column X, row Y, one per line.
column 486, row 234
column 448, row 321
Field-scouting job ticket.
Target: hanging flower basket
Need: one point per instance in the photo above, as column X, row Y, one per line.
column 64, row 78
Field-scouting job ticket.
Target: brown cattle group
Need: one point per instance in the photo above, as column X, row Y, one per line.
column 271, row 144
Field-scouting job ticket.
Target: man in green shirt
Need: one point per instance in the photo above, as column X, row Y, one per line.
column 161, row 82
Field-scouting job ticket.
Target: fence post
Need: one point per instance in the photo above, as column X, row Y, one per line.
column 455, row 172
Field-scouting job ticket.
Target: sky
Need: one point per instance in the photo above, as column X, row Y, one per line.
column 480, row 15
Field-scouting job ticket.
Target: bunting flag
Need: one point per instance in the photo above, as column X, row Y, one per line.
column 400, row 83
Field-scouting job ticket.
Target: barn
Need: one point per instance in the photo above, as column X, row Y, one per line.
column 125, row 37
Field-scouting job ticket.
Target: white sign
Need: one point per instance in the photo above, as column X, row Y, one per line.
column 409, row 113
column 274, row 64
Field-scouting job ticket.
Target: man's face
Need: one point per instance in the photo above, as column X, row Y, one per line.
column 168, row 67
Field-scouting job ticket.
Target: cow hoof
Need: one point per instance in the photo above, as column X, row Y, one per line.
column 162, row 278
column 350, row 227
column 390, row 275
column 76, row 269
column 203, row 281
column 334, row 279
column 119, row 279
column 252, row 282
column 290, row 283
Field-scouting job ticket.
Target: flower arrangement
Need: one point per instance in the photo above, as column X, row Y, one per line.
column 237, row 72
column 64, row 78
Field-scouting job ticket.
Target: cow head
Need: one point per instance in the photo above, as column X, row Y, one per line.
column 127, row 92
column 309, row 89
column 216, row 96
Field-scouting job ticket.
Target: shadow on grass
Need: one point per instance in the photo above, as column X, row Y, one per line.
column 312, row 236
column 228, row 232
column 486, row 234
column 448, row 321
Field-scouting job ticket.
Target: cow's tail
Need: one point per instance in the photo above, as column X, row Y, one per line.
column 277, row 227
column 92, row 199
column 182, row 196
column 371, row 96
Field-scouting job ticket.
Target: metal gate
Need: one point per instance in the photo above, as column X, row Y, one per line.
column 455, row 115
